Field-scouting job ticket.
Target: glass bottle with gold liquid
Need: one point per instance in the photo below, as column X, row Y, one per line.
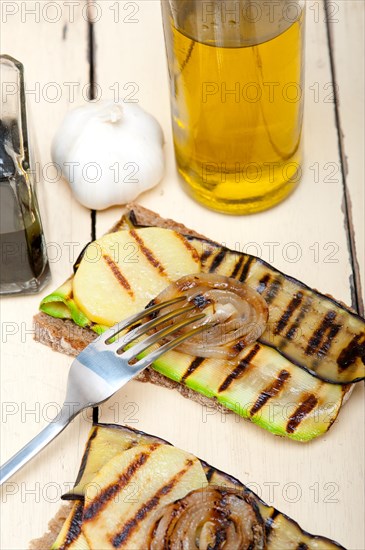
column 236, row 78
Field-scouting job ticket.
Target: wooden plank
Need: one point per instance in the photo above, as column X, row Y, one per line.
column 33, row 378
column 311, row 224
column 330, row 498
column 346, row 24
column 318, row 243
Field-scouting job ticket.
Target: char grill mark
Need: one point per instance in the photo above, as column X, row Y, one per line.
column 332, row 333
column 239, row 346
column 124, row 478
column 237, row 267
column 192, row 367
column 246, row 268
column 148, row 254
column 240, row 369
column 302, row 546
column 270, row 522
column 285, row 318
column 292, row 330
column 301, row 412
column 217, row 260
column 263, row 283
column 271, row 391
column 205, row 255
column 118, row 540
column 273, row 290
column 327, row 325
column 189, row 246
column 355, row 349
column 118, row 274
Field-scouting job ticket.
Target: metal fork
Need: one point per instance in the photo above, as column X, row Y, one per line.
column 104, row 366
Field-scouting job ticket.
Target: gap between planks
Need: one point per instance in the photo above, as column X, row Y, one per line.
column 355, row 280
column 92, row 95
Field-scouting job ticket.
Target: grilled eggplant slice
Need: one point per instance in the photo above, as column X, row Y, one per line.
column 70, row 536
column 277, row 382
column 312, row 330
column 124, row 496
column 281, row 532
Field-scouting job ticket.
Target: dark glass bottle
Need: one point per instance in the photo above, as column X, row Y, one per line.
column 23, row 261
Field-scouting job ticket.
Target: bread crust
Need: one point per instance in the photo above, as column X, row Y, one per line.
column 65, row 336
column 54, row 527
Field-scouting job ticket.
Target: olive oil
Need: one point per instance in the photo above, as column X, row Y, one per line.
column 237, row 107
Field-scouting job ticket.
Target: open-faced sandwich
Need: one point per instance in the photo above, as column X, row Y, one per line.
column 137, row 492
column 290, row 378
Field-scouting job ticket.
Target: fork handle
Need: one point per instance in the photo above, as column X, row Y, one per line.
column 36, row 444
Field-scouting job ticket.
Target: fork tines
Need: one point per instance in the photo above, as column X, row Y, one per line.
column 161, row 331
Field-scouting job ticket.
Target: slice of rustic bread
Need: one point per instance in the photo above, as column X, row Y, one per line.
column 66, row 337
column 54, row 527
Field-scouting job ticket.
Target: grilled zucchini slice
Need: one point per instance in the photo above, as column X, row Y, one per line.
column 292, row 381
column 262, row 386
column 310, row 329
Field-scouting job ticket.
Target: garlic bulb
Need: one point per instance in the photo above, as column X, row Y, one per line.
column 109, row 152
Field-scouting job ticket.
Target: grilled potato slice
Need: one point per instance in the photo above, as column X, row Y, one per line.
column 125, row 495
column 104, row 444
column 121, row 272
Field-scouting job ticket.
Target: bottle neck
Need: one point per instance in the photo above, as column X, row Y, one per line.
column 233, row 23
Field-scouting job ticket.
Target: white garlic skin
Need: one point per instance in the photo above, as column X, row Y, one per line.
column 118, row 145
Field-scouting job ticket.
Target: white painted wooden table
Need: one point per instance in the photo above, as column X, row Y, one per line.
column 320, row 484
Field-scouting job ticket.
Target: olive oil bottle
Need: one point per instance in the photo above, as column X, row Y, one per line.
column 237, row 100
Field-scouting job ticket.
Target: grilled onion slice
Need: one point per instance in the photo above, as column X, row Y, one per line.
column 208, row 518
column 236, row 312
